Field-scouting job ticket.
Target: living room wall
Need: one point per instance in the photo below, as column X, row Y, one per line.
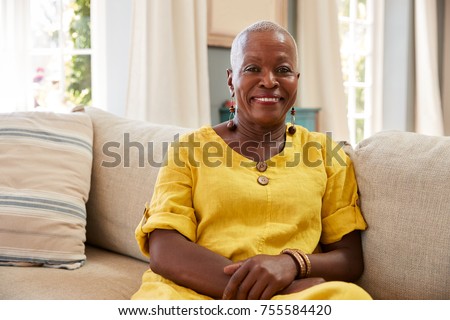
column 111, row 69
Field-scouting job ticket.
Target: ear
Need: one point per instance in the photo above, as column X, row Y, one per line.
column 230, row 81
column 298, row 75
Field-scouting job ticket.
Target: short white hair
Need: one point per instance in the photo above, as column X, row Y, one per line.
column 260, row 26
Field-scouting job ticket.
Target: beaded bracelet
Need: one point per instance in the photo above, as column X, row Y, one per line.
column 302, row 262
column 307, row 262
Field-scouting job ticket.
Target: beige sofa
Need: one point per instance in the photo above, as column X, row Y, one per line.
column 404, row 181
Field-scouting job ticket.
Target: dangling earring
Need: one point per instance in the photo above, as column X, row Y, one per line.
column 231, row 125
column 292, row 128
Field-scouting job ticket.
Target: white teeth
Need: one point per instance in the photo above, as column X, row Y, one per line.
column 268, row 99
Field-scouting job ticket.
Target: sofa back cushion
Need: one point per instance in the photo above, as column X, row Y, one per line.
column 45, row 171
column 404, row 183
column 127, row 157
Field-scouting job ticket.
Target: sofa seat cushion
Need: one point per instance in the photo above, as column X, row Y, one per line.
column 105, row 276
column 404, row 184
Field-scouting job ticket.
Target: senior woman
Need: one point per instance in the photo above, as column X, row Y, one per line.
column 254, row 208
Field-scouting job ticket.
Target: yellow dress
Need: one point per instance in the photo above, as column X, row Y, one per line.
column 214, row 196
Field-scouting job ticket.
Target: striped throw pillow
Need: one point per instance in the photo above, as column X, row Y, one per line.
column 45, row 172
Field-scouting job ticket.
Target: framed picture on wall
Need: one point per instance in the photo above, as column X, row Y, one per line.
column 226, row 18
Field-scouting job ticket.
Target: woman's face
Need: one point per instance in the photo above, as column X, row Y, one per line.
column 264, row 77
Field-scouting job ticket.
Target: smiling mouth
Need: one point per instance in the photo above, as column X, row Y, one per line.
column 270, row 100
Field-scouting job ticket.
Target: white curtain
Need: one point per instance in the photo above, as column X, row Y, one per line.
column 446, row 70
column 428, row 108
column 14, row 59
column 168, row 68
column 320, row 82
column 377, row 66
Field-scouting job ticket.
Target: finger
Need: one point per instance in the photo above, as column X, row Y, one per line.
column 230, row 269
column 268, row 292
column 257, row 290
column 249, row 284
column 234, row 283
column 264, row 289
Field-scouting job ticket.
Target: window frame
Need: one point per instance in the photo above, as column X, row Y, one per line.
column 61, row 52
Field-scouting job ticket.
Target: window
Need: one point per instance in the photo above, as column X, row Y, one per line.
column 60, row 54
column 356, row 25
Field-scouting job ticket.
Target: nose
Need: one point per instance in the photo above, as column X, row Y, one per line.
column 268, row 80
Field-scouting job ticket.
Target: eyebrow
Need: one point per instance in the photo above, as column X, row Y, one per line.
column 280, row 58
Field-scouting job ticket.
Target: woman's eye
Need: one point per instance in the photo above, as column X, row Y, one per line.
column 251, row 69
column 284, row 70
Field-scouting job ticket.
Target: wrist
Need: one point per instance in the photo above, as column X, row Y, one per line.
column 289, row 265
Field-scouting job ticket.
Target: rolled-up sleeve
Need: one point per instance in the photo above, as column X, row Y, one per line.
column 171, row 205
column 340, row 212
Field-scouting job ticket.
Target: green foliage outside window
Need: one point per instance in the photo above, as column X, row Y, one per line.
column 79, row 87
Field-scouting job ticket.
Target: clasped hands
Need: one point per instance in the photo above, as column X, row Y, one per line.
column 263, row 276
